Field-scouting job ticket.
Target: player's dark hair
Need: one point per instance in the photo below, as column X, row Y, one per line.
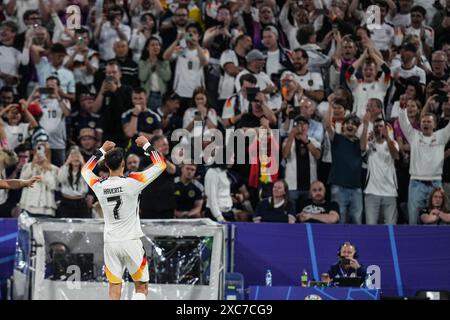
column 114, row 158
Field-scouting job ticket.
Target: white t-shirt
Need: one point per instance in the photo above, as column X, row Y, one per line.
column 54, row 123
column 383, row 38
column 310, row 81
column 16, row 134
column 235, row 102
column 273, row 64
column 80, row 72
column 362, row 92
column 21, row 7
column 11, row 59
column 382, row 180
column 226, row 84
column 188, row 73
column 108, row 35
column 400, row 20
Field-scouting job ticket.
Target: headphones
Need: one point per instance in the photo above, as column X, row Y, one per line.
column 348, row 243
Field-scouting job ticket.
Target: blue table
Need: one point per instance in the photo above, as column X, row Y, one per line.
column 313, row 293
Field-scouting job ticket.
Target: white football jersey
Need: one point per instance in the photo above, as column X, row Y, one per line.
column 119, row 197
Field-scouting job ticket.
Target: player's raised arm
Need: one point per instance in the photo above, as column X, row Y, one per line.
column 87, row 170
column 159, row 164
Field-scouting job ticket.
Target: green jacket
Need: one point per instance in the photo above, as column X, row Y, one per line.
column 163, row 71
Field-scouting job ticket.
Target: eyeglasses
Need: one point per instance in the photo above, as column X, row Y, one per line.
column 181, row 15
column 438, row 61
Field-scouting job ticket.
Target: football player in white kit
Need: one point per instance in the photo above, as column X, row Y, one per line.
column 119, row 199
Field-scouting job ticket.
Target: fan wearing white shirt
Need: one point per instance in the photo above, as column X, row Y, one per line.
column 108, row 32
column 427, row 158
column 370, row 86
column 381, row 184
column 10, row 57
column 16, row 130
column 190, row 59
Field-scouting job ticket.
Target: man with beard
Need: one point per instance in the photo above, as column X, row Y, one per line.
column 345, row 173
column 179, row 21
column 310, row 82
column 318, row 209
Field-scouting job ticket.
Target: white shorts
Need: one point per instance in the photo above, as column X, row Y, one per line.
column 129, row 254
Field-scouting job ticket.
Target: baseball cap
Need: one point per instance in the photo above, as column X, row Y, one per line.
column 272, row 29
column 255, row 54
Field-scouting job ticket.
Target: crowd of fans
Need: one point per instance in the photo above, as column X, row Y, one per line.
column 361, row 105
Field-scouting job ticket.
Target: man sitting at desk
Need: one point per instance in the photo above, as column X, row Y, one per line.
column 347, row 265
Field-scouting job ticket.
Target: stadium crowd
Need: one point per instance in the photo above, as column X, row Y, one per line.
column 360, row 100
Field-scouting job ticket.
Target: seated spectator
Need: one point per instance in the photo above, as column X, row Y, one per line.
column 40, row 200
column 437, row 211
column 188, row 193
column 347, row 265
column 278, row 207
column 154, row 73
column 317, row 209
column 73, row 188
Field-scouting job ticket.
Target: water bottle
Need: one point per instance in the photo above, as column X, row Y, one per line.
column 268, row 278
column 304, row 278
column 368, row 282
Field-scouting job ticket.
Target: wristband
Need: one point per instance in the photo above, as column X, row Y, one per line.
column 102, row 151
column 134, row 115
column 146, row 146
